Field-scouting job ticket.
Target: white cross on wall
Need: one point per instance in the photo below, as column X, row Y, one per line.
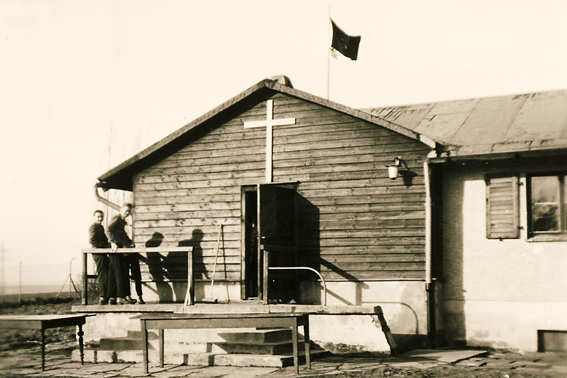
column 269, row 123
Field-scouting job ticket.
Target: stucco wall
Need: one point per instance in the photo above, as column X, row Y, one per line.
column 497, row 293
column 403, row 304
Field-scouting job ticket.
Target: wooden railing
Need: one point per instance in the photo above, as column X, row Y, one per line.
column 161, row 250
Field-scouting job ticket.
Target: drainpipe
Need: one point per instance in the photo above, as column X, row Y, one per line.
column 426, row 174
column 104, row 200
column 429, row 288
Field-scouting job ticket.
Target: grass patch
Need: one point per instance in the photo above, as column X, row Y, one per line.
column 36, row 304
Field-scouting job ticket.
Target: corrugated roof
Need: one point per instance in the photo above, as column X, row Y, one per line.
column 516, row 123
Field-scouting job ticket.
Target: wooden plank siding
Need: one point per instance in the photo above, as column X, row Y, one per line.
column 355, row 223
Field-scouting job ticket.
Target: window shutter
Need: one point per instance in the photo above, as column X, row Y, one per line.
column 502, row 208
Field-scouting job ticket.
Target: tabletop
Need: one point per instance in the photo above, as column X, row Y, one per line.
column 41, row 321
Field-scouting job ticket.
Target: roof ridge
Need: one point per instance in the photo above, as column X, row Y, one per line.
column 368, row 109
column 200, row 124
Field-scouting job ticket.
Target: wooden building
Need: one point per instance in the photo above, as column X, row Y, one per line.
column 465, row 246
column 303, row 178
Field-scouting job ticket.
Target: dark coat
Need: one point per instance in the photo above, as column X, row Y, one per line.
column 97, row 237
column 116, row 232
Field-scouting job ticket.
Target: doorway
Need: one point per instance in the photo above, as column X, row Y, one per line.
column 269, row 231
column 251, row 262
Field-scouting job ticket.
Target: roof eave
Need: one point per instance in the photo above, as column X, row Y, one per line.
column 499, row 154
column 352, row 112
column 110, row 179
column 120, row 177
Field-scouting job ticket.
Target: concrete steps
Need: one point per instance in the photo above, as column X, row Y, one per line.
column 133, row 341
column 225, row 347
column 258, row 360
column 268, row 348
column 257, row 336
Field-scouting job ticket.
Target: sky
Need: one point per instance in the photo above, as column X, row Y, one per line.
column 84, row 85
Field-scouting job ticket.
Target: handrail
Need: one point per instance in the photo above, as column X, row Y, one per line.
column 305, row 268
column 188, row 250
column 137, row 250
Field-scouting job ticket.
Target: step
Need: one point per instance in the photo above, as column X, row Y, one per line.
column 198, row 359
column 271, row 337
column 241, row 336
column 126, row 344
column 210, row 359
column 129, row 356
column 220, row 335
column 258, row 336
column 121, row 343
column 282, row 347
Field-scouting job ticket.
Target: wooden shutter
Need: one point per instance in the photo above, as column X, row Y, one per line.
column 502, row 208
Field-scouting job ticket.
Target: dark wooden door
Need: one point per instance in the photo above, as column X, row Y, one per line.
column 277, row 240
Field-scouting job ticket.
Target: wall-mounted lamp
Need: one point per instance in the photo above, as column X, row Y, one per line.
column 394, row 169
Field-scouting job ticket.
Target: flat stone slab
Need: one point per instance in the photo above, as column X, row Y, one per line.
column 246, row 372
column 444, row 356
column 422, row 364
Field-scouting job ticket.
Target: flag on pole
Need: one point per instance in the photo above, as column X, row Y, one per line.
column 344, row 43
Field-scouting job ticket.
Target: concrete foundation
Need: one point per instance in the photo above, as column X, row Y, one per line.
column 403, row 304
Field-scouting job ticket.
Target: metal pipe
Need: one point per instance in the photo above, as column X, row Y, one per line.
column 426, row 177
column 305, row 268
column 104, row 200
column 429, row 287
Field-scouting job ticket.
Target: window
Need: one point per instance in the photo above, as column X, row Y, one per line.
column 548, row 204
column 502, row 207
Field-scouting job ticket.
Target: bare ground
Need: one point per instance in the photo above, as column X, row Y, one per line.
column 494, row 364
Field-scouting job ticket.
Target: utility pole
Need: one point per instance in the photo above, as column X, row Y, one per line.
column 20, row 286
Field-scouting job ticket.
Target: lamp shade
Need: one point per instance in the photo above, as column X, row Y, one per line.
column 393, row 171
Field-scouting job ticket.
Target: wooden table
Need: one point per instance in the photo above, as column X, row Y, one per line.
column 236, row 320
column 43, row 322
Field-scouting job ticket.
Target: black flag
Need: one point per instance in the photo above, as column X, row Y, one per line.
column 344, row 43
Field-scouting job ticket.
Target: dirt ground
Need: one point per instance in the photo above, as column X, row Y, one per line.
column 445, row 371
column 36, row 305
column 492, row 363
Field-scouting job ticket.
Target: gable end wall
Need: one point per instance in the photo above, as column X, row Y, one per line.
column 355, row 223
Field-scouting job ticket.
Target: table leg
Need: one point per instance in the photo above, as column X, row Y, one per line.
column 161, row 348
column 42, row 349
column 307, row 342
column 295, row 346
column 85, row 281
column 80, row 333
column 145, row 343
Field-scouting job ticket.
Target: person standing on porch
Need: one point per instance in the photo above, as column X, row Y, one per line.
column 105, row 272
column 118, row 238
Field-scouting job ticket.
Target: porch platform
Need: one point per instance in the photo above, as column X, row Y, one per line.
column 238, row 307
column 115, row 326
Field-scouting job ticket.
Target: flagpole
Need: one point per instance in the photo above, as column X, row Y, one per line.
column 329, row 55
